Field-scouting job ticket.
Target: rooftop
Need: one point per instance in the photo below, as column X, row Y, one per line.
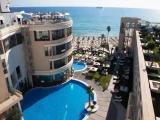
column 57, row 17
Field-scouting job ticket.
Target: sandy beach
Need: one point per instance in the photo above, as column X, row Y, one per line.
column 94, row 41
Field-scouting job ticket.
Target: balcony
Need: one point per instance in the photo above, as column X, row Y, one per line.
column 151, row 45
column 11, row 101
column 7, row 30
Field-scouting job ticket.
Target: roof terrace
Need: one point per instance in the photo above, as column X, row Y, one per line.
column 42, row 18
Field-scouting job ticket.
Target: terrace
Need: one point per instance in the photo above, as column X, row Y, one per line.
column 150, row 37
column 57, row 17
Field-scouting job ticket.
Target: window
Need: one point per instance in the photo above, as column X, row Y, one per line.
column 59, row 63
column 6, row 44
column 68, row 46
column 46, row 51
column 41, row 35
column 4, row 66
column 69, row 31
column 1, row 22
column 50, row 63
column 60, row 49
column 12, row 41
column 49, row 51
column 59, row 76
column 58, row 34
column 1, row 48
column 7, row 82
column 19, row 38
column 54, row 50
column 13, row 79
column 18, row 72
column 9, row 42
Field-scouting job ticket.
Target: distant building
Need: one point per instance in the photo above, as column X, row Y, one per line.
column 140, row 105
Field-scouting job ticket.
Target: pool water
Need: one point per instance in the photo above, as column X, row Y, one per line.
column 64, row 102
column 78, row 66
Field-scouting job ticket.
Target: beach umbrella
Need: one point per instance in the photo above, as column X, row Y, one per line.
column 46, row 16
column 35, row 16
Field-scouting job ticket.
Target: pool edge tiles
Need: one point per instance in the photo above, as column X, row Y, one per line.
column 74, row 81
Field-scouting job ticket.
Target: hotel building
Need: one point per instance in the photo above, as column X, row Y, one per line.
column 33, row 52
column 141, row 104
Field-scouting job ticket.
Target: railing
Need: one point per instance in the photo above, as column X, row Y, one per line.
column 52, row 21
column 13, row 99
column 9, row 29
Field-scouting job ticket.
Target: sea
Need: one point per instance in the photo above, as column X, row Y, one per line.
column 92, row 21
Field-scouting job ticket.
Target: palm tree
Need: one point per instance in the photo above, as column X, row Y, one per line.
column 90, row 92
column 108, row 30
column 102, row 38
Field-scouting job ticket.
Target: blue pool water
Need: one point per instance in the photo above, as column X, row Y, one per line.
column 65, row 102
column 78, row 66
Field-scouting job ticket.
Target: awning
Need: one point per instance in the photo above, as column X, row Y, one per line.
column 1, row 18
column 19, row 16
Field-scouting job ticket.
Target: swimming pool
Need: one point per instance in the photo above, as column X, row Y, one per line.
column 64, row 102
column 78, row 66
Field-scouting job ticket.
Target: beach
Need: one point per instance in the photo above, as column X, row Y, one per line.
column 86, row 42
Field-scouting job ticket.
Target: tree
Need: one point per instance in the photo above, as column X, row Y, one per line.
column 102, row 38
column 108, row 30
column 151, row 45
column 14, row 114
column 155, row 55
column 90, row 92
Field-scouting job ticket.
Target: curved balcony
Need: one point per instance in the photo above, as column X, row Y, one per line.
column 61, row 40
column 67, row 53
column 9, row 30
column 68, row 65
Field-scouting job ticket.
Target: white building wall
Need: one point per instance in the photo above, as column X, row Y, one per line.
column 16, row 57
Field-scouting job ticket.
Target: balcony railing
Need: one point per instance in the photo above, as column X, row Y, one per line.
column 52, row 21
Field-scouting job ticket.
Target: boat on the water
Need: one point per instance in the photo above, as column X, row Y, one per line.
column 99, row 7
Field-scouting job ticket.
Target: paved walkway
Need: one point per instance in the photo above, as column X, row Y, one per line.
column 103, row 99
column 108, row 109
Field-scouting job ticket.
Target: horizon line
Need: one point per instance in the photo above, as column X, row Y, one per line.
column 89, row 7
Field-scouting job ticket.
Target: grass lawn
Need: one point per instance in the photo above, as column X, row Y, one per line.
column 102, row 79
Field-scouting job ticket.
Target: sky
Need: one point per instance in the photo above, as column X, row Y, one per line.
column 150, row 4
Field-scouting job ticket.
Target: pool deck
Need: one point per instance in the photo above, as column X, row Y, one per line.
column 108, row 109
